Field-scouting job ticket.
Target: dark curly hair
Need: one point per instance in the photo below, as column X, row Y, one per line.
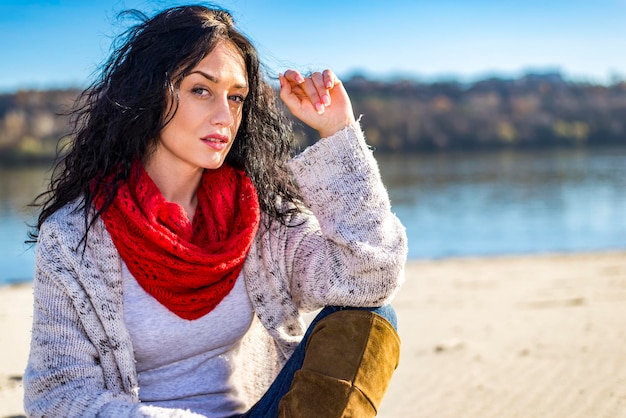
column 117, row 119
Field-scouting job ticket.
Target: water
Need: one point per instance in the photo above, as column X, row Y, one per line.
column 18, row 187
column 510, row 202
column 475, row 204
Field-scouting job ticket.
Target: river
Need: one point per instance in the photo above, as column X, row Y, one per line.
column 453, row 204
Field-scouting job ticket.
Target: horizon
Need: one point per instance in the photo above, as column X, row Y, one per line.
column 54, row 44
column 393, row 78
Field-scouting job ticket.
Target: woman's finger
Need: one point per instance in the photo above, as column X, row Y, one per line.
column 293, row 95
column 315, row 91
column 293, row 77
column 329, row 79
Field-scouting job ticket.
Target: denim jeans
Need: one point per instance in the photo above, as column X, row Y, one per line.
column 267, row 406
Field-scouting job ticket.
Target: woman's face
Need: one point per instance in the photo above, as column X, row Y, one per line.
column 209, row 113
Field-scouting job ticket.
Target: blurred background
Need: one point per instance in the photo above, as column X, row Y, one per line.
column 499, row 127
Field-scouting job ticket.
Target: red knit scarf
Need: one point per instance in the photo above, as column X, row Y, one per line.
column 189, row 267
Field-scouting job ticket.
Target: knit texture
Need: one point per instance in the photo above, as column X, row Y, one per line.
column 189, row 267
column 350, row 250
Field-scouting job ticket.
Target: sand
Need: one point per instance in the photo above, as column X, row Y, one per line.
column 528, row 337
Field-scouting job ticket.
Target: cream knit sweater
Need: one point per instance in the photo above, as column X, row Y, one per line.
column 350, row 250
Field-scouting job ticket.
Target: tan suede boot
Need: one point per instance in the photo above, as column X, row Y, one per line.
column 349, row 360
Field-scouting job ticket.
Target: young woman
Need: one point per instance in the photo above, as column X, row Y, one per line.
column 179, row 242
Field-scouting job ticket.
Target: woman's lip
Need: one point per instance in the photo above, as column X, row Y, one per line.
column 216, row 141
column 215, row 137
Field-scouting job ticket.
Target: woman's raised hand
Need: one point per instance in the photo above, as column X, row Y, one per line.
column 319, row 100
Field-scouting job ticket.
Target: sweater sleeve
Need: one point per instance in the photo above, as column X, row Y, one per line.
column 353, row 250
column 71, row 369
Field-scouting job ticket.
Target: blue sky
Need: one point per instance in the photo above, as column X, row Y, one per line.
column 57, row 43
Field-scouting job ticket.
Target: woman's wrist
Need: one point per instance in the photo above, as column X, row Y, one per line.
column 330, row 131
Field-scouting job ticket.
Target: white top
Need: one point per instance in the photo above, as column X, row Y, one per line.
column 200, row 355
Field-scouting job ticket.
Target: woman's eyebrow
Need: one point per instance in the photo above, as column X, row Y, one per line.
column 214, row 79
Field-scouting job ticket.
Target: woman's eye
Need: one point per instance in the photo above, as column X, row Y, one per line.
column 200, row 91
column 238, row 98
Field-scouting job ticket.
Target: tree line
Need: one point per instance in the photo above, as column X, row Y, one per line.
column 534, row 110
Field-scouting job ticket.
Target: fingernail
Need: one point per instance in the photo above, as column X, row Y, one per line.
column 326, row 100
column 320, row 108
column 299, row 79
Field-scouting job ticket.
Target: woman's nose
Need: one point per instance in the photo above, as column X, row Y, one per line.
column 222, row 113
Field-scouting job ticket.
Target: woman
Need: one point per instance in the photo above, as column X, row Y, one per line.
column 176, row 252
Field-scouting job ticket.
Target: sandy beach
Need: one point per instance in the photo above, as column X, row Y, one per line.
column 508, row 337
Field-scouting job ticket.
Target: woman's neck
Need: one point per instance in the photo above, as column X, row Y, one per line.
column 177, row 185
